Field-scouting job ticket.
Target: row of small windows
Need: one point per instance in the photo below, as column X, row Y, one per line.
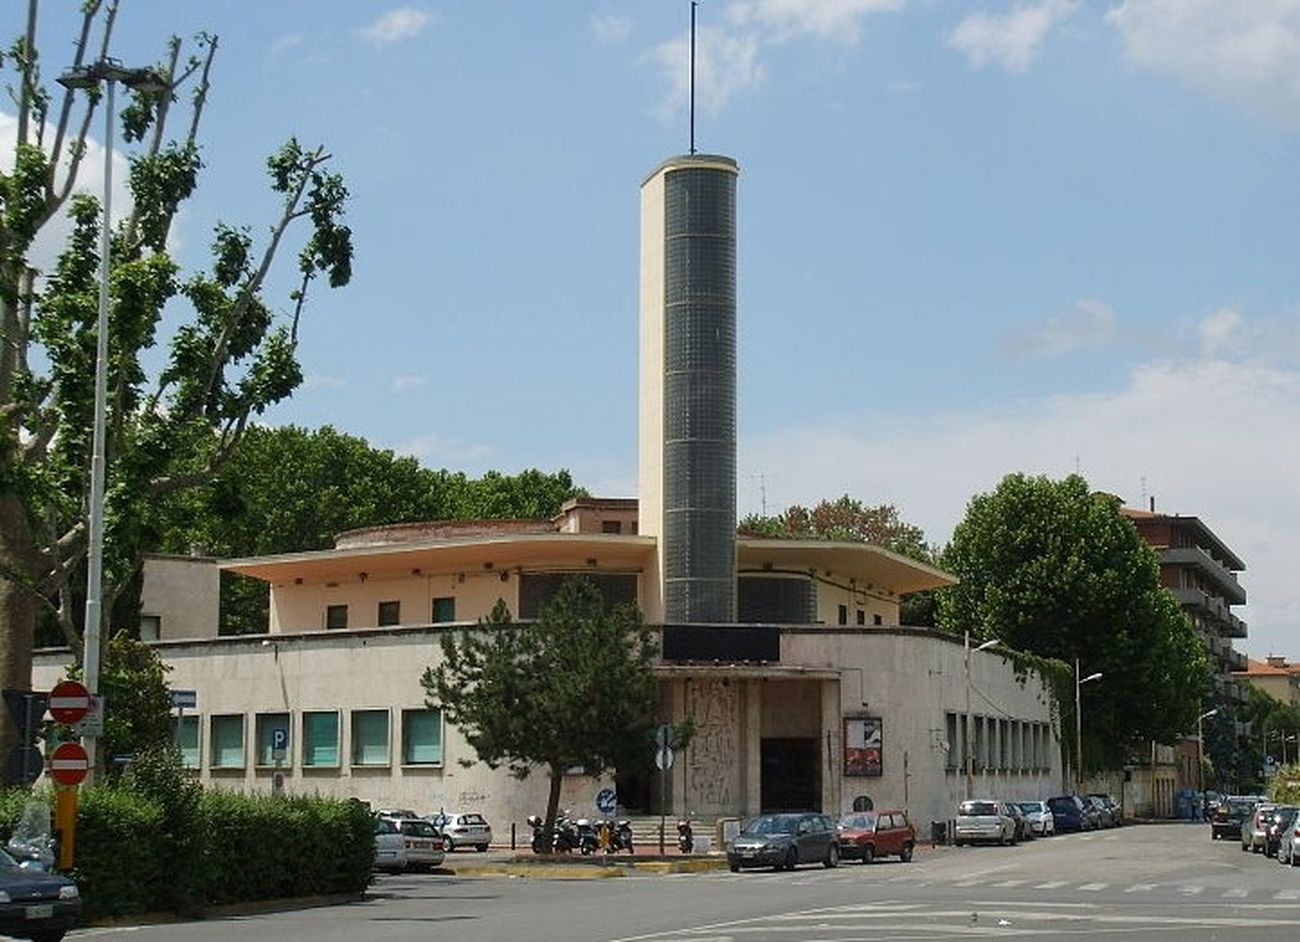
column 390, row 613
column 999, row 744
column 321, row 743
column 861, row 616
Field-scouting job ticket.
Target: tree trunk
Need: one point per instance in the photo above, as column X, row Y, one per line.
column 553, row 803
column 17, row 606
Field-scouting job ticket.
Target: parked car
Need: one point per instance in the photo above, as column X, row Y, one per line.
column 1113, row 809
column 1229, row 813
column 406, row 843
column 870, row 834
column 1023, row 831
column 1288, row 844
column 1099, row 811
column 36, row 904
column 1279, row 822
column 462, row 829
column 1093, row 812
column 396, row 813
column 783, row 841
column 1254, row 828
column 1068, row 814
column 983, row 820
column 1040, row 818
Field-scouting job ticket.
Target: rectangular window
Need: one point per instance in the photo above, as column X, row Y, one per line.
column 611, row 526
column 336, row 616
column 844, row 614
column 444, row 610
column 272, row 732
column 150, row 627
column 422, row 737
column 877, row 620
column 370, row 737
column 185, row 733
column 862, row 617
column 390, row 613
column 952, row 752
column 320, row 739
column 227, row 739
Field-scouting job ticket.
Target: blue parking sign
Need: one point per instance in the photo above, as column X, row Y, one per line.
column 279, row 739
column 607, row 801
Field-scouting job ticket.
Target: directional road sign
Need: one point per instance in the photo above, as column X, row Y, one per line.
column 69, row 701
column 606, row 801
column 69, row 764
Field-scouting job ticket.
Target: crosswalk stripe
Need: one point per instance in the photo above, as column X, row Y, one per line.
column 1140, row 888
column 1236, row 894
column 1010, row 883
column 1093, row 887
column 1050, row 885
column 1287, row 894
column 1191, row 890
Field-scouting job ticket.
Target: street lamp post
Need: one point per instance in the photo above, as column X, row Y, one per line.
column 1200, row 750
column 110, row 72
column 969, row 753
column 1078, row 720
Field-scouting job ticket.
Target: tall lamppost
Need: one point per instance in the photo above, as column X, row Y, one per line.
column 1200, row 750
column 969, row 752
column 109, row 72
column 1078, row 720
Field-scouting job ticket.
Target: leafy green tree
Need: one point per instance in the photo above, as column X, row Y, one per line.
column 573, row 688
column 174, row 415
column 1054, row 569
column 133, row 683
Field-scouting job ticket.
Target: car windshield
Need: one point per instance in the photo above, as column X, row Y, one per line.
column 1238, row 806
column 418, row 829
column 978, row 807
column 472, row 819
column 771, row 824
column 862, row 822
column 1031, row 807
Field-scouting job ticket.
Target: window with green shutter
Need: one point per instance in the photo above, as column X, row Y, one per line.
column 320, row 739
column 266, row 726
column 370, row 737
column 422, row 737
column 185, row 733
column 227, row 738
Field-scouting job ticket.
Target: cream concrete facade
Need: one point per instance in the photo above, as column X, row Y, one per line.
column 179, row 597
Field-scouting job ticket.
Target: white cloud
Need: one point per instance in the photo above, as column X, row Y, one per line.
column 824, row 19
column 1086, row 323
column 1011, row 40
column 406, row 383
column 434, row 450
column 90, row 179
column 1209, row 437
column 725, row 65
column 396, row 25
column 611, row 29
column 1246, row 52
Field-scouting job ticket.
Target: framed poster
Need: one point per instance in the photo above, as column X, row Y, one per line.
column 862, row 746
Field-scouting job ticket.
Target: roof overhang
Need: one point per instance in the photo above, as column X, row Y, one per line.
column 865, row 564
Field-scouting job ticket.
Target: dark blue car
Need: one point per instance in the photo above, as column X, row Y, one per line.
column 1068, row 813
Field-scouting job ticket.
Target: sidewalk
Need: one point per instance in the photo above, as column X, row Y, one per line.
column 524, row 863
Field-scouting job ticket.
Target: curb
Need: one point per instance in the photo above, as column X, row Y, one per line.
column 226, row 910
column 540, row 871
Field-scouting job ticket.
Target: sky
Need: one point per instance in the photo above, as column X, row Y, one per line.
column 975, row 237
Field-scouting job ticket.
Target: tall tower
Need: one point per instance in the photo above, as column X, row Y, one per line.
column 688, row 387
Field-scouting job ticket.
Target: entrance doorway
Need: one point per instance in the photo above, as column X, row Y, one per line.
column 790, row 778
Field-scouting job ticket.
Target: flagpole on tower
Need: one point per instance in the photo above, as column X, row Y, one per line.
column 692, row 82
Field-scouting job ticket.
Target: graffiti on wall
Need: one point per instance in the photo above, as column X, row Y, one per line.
column 713, row 761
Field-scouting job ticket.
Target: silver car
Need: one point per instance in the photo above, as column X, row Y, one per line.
column 983, row 821
column 462, row 829
column 407, row 844
column 1039, row 817
column 1288, row 843
column 1254, row 829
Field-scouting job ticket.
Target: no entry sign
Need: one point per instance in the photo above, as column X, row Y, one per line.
column 69, row 701
column 69, row 764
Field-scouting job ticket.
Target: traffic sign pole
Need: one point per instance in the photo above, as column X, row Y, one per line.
column 65, row 822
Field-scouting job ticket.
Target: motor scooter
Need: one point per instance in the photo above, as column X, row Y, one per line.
column 685, row 836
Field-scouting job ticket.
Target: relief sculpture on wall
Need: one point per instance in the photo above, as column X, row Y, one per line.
column 713, row 759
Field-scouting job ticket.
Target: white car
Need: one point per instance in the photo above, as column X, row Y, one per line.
column 406, row 844
column 462, row 829
column 1039, row 817
column 983, row 821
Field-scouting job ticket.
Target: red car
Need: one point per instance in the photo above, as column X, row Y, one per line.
column 866, row 835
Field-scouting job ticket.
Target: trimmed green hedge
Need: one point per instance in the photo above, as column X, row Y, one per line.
column 154, row 845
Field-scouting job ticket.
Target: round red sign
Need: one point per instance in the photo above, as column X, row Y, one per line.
column 69, row 701
column 69, row 764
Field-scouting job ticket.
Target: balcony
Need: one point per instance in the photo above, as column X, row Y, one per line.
column 1200, row 601
column 1219, row 575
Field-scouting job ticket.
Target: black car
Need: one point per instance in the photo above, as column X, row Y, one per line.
column 34, row 904
column 783, row 841
column 1228, row 815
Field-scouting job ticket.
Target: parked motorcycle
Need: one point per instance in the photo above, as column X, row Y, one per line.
column 588, row 841
column 563, row 840
column 685, row 836
column 615, row 836
column 540, row 844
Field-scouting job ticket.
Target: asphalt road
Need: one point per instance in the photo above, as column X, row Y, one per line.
column 1140, row 882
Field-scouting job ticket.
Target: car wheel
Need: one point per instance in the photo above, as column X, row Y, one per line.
column 791, row 859
column 448, row 844
column 481, row 848
column 905, row 855
column 48, row 935
column 832, row 857
column 958, row 843
column 735, row 868
column 868, row 854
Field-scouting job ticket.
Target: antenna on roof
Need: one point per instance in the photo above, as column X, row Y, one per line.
column 694, row 3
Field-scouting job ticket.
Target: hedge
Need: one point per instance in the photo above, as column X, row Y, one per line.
column 146, row 849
